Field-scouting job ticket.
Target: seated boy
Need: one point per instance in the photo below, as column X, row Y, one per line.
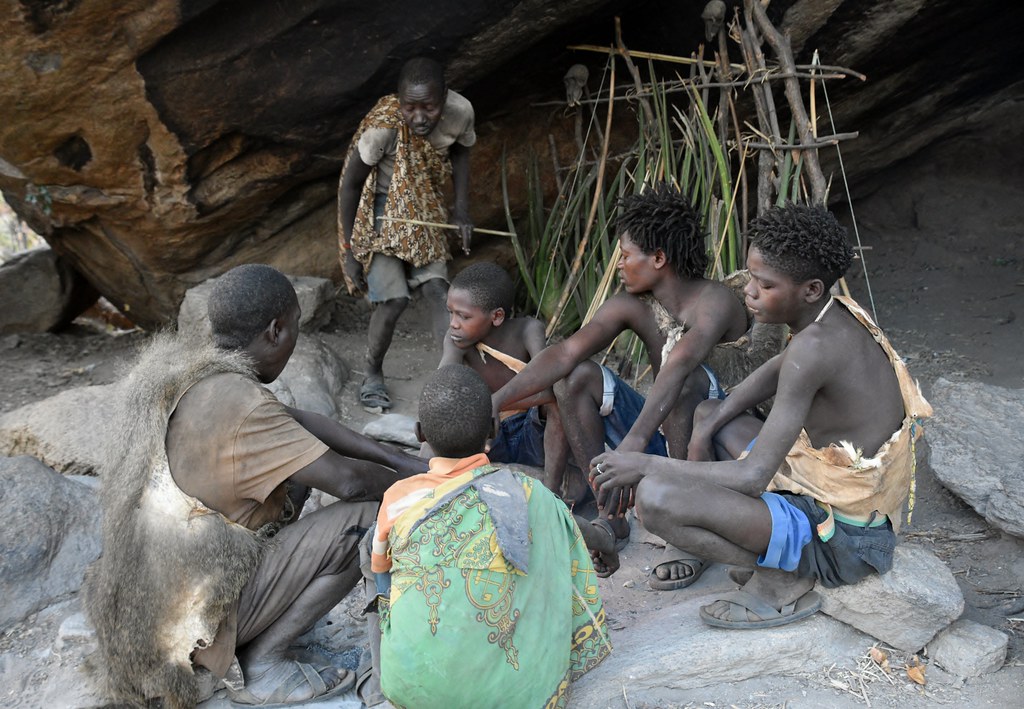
column 815, row 492
column 679, row 316
column 492, row 593
column 207, row 465
column 483, row 336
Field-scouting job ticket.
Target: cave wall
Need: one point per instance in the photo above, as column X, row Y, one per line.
column 154, row 144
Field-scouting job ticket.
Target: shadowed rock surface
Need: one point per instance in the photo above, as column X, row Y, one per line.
column 156, row 144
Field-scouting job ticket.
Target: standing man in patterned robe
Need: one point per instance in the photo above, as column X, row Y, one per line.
column 400, row 157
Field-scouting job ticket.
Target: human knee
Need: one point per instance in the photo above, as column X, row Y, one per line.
column 660, row 504
column 705, row 409
column 585, row 378
column 650, row 497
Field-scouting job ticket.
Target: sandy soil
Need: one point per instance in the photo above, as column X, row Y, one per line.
column 949, row 297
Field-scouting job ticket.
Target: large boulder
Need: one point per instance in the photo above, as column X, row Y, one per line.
column 67, row 431
column 672, row 649
column 314, row 378
column 49, row 533
column 316, row 301
column 977, row 450
column 41, row 291
column 157, row 143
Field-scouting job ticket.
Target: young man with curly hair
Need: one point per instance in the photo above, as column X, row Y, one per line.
column 815, row 492
column 679, row 316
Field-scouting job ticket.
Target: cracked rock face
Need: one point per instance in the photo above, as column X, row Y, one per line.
column 156, row 144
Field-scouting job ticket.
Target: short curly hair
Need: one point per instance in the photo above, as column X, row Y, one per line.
column 661, row 217
column 455, row 412
column 244, row 300
column 802, row 242
column 489, row 286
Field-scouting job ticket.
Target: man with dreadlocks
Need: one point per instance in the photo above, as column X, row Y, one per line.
column 399, row 159
column 815, row 492
column 679, row 316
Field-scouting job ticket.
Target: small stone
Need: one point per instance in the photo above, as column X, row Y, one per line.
column 74, row 629
column 969, row 649
column 629, row 584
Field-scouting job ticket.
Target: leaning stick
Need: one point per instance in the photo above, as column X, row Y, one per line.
column 439, row 225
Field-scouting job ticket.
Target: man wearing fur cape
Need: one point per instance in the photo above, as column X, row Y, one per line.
column 204, row 563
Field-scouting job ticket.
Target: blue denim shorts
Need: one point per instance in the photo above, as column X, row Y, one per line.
column 620, row 408
column 520, row 440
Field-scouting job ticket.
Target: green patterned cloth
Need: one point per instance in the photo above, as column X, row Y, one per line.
column 465, row 628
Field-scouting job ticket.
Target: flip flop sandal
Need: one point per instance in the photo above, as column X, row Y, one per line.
column 373, row 395
column 672, row 555
column 743, row 605
column 286, row 677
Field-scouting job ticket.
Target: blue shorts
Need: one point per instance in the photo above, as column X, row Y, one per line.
column 620, row 407
column 849, row 555
column 520, row 440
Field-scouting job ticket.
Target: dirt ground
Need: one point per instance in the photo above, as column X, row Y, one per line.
column 948, row 294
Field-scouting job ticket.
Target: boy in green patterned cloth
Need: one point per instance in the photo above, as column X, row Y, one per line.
column 492, row 592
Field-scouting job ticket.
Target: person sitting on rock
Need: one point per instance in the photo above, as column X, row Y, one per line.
column 209, row 465
column 815, row 492
column 393, row 177
column 679, row 316
column 487, row 592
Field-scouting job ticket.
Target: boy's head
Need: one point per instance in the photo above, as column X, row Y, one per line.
column 455, row 412
column 802, row 243
column 479, row 300
column 421, row 94
column 254, row 308
column 661, row 218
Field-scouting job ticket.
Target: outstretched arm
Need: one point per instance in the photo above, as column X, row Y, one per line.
column 557, row 361
column 350, row 444
column 346, row 478
column 756, row 388
column 460, row 179
column 799, row 378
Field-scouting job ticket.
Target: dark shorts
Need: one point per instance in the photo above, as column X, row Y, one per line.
column 851, row 554
column 620, row 409
column 520, row 440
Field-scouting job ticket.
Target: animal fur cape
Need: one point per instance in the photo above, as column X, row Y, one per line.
column 171, row 568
